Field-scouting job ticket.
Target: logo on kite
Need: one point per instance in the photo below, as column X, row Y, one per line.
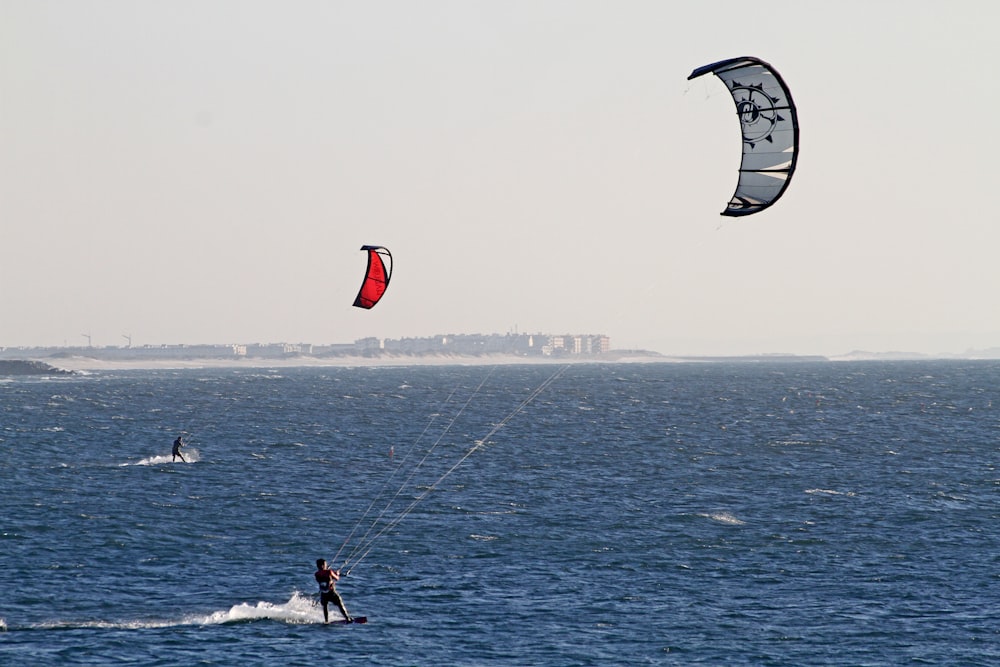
column 770, row 127
column 758, row 112
column 376, row 276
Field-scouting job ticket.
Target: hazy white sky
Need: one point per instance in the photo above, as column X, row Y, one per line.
column 205, row 172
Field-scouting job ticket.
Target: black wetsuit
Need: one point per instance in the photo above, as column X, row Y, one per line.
column 328, row 591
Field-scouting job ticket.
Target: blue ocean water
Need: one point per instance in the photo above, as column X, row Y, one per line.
column 657, row 514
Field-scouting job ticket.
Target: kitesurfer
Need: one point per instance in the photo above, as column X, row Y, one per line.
column 178, row 443
column 327, row 579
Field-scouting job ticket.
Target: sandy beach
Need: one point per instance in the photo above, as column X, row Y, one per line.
column 84, row 363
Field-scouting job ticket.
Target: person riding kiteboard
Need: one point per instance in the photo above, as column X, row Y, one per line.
column 327, row 579
column 178, row 443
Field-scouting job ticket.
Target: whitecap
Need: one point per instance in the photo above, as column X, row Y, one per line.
column 724, row 517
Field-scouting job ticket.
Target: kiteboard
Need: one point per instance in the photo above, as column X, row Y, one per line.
column 356, row 619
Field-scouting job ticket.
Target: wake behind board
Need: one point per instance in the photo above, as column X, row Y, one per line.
column 356, row 619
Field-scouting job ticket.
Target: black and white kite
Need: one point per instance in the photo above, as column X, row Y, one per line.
column 770, row 128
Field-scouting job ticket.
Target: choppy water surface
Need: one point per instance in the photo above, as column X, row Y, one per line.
column 719, row 514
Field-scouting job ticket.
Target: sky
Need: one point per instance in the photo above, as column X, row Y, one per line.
column 206, row 171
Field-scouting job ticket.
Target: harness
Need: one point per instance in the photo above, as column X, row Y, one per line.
column 325, row 580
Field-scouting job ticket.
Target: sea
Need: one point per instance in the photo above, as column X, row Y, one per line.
column 758, row 513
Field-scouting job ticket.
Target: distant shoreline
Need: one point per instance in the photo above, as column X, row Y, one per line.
column 81, row 363
column 84, row 363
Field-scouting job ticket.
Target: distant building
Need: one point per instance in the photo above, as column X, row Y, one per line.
column 480, row 344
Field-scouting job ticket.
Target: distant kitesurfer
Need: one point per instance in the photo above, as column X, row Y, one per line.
column 178, row 443
column 327, row 579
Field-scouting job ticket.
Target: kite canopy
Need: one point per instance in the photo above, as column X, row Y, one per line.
column 376, row 277
column 770, row 128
